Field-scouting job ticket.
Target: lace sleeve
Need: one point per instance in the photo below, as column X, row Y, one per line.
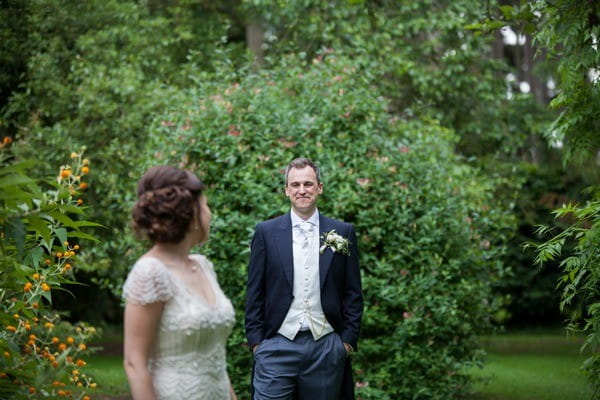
column 148, row 282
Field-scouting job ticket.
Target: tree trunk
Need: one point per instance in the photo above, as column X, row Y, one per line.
column 254, row 38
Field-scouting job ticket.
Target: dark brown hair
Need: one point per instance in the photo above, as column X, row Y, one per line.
column 167, row 203
column 300, row 163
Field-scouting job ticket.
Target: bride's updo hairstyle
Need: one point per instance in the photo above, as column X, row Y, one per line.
column 167, row 203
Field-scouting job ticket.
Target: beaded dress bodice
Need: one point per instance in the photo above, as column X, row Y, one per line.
column 188, row 360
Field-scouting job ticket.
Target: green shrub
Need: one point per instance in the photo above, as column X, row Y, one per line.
column 429, row 230
column 577, row 249
column 41, row 227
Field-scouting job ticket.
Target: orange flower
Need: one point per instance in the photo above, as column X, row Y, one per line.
column 27, row 287
column 79, row 202
column 49, row 325
column 6, row 354
column 76, row 247
column 32, row 337
column 36, row 276
column 74, row 155
column 7, row 140
column 70, row 340
column 56, row 383
column 45, row 287
column 80, row 363
column 85, row 170
column 59, row 255
column 11, row 328
column 31, row 390
column 47, row 262
column 83, row 185
column 65, row 173
column 55, row 340
column 82, row 347
column 67, row 267
column 35, row 305
column 62, row 347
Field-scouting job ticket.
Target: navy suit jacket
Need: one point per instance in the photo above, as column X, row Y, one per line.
column 270, row 284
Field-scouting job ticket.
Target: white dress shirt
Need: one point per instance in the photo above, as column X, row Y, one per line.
column 306, row 312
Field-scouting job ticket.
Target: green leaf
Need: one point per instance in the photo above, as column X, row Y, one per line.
column 14, row 181
column 15, row 229
column 61, row 233
column 507, row 11
column 82, row 235
column 40, row 226
column 64, row 219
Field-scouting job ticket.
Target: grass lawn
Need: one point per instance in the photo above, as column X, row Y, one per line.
column 520, row 366
column 108, row 372
column 533, row 366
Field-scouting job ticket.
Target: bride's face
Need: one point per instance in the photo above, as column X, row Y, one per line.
column 204, row 216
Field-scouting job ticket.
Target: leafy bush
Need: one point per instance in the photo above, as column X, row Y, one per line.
column 41, row 228
column 96, row 76
column 580, row 279
column 429, row 230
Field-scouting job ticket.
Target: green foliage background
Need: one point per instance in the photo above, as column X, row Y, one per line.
column 404, row 109
column 428, row 237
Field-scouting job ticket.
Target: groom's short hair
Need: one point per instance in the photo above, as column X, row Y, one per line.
column 300, row 163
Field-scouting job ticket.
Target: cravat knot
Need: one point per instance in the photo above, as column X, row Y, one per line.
column 307, row 229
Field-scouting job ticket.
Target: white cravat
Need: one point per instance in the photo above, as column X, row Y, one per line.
column 306, row 312
column 307, row 230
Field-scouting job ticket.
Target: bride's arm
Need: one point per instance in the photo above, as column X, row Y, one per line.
column 141, row 322
column 231, row 391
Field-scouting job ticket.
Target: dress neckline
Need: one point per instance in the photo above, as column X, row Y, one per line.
column 191, row 292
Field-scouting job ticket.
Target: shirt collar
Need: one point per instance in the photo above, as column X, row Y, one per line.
column 314, row 219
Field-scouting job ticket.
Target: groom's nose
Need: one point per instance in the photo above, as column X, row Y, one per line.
column 302, row 189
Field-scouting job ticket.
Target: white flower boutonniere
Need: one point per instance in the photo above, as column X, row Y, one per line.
column 335, row 242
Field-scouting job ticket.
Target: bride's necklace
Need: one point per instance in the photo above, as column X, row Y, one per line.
column 193, row 266
column 188, row 263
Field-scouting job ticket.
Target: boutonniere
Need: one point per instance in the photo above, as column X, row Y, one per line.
column 335, row 242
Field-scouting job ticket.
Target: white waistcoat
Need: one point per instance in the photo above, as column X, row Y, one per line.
column 306, row 311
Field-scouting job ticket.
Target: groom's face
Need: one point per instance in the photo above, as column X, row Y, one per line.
column 303, row 189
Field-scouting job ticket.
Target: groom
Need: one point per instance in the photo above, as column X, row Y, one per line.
column 304, row 299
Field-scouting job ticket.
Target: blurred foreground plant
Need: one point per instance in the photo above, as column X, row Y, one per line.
column 578, row 248
column 41, row 356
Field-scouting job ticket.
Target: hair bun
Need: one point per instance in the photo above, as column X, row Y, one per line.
column 167, row 200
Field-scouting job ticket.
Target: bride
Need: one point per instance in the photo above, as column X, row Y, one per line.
column 177, row 318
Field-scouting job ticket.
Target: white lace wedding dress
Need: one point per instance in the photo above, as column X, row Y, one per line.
column 188, row 362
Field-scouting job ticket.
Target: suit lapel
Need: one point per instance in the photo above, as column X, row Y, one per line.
column 327, row 256
column 283, row 239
